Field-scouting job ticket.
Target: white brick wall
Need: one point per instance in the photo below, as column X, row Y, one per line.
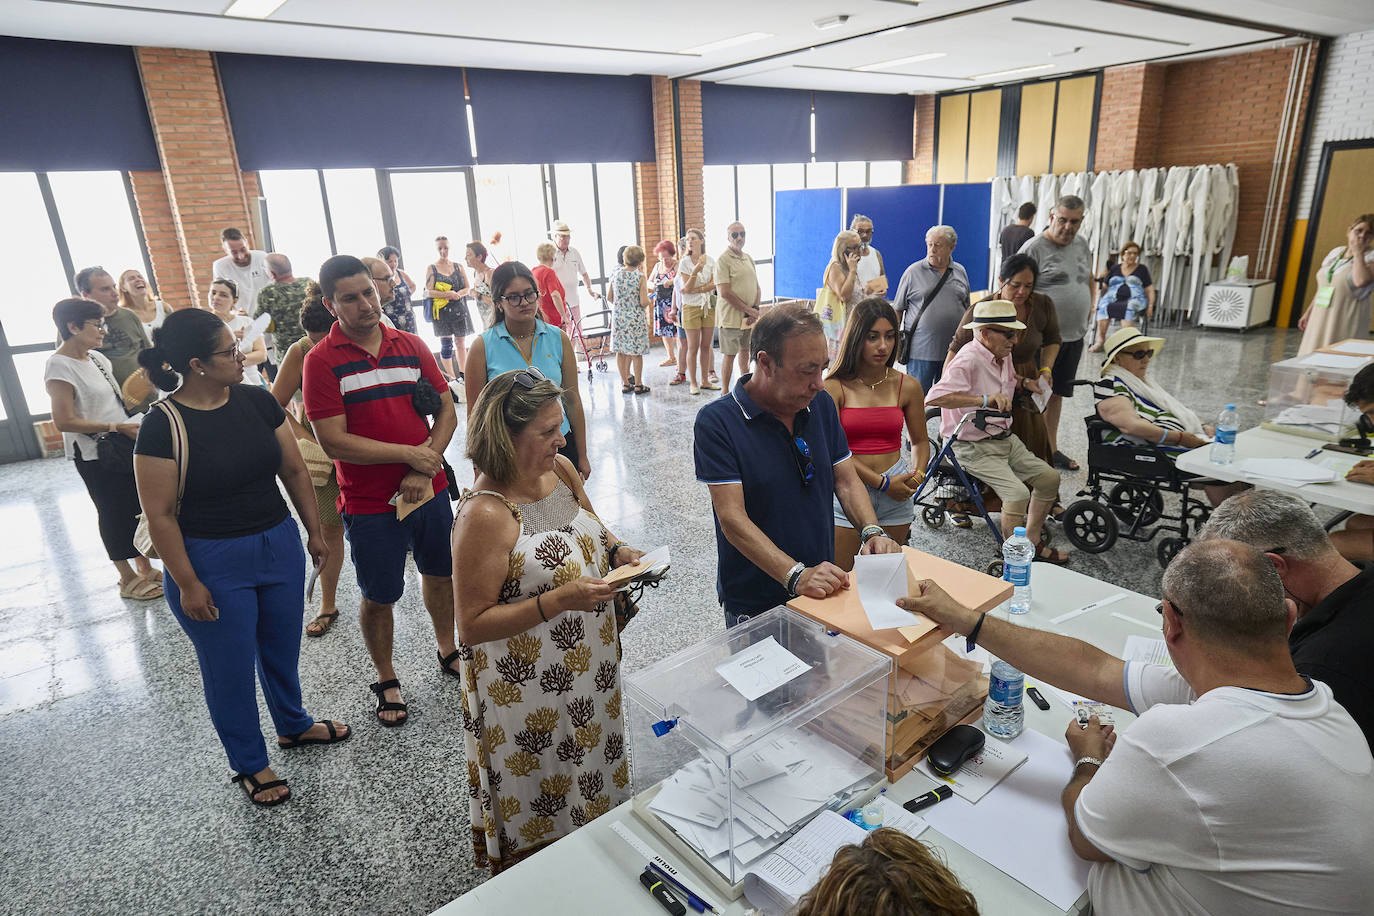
column 1345, row 110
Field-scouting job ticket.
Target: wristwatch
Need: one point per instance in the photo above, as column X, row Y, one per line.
column 869, row 532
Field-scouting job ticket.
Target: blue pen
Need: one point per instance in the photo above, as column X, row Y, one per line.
column 1312, row 454
column 693, row 900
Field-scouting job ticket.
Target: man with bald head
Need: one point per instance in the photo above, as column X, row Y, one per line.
column 1244, row 787
column 282, row 299
column 737, row 306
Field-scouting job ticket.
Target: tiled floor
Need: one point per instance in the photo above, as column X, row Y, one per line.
column 115, row 793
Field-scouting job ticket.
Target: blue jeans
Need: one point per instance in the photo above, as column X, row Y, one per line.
column 926, row 371
column 258, row 584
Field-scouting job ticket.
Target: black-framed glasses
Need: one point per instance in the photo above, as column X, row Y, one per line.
column 737, row 235
column 528, row 378
column 868, row 231
column 386, row 279
column 1008, row 333
column 801, row 453
column 511, row 300
column 1141, row 354
column 1159, row 608
column 226, row 352
column 99, row 322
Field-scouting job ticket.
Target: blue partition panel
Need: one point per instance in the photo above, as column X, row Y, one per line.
column 805, row 224
column 967, row 209
column 901, row 216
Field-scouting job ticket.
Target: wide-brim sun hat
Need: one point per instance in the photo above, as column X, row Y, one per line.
column 1128, row 339
column 561, row 228
column 998, row 312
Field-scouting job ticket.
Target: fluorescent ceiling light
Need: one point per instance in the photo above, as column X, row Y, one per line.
column 901, row 61
column 1037, row 67
column 253, row 9
column 718, row 45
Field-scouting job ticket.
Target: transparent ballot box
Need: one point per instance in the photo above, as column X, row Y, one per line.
column 933, row 688
column 1307, row 396
column 739, row 741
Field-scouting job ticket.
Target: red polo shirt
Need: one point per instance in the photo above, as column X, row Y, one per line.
column 549, row 284
column 374, row 396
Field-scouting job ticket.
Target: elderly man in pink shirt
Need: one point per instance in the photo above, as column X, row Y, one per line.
column 981, row 377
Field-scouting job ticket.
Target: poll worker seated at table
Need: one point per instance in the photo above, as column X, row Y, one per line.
column 774, row 456
column 1141, row 411
column 1333, row 639
column 1356, row 541
column 980, row 377
column 888, row 874
column 1244, row 787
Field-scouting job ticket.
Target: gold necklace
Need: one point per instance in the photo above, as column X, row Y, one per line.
column 887, row 372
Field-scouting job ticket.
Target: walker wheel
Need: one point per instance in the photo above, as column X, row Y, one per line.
column 995, row 568
column 933, row 516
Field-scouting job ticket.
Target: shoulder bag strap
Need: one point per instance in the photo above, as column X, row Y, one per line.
column 180, row 445
column 930, row 296
column 119, row 395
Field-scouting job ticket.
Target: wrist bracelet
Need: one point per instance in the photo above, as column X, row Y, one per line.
column 539, row 604
column 985, row 400
column 793, row 577
column 1162, row 436
column 869, row 532
column 972, row 641
column 610, row 554
column 1082, row 760
column 887, row 481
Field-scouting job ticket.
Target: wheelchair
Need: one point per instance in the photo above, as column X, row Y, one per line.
column 1124, row 498
column 949, row 488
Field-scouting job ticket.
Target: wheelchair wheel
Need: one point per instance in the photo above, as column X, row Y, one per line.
column 1199, row 515
column 933, row 516
column 1090, row 527
column 1125, row 500
column 994, row 568
column 1167, row 549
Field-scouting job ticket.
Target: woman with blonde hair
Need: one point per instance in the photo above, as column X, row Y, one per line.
column 1340, row 309
column 630, row 322
column 695, row 282
column 537, row 634
column 889, row 874
column 841, row 287
column 137, row 296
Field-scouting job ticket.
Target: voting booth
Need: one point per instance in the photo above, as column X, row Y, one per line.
column 740, row 740
column 1306, row 395
column 933, row 687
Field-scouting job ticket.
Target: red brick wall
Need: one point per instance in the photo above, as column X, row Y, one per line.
column 665, row 154
column 1129, row 117
column 921, row 169
column 1229, row 109
column 160, row 232
column 693, row 158
column 202, row 185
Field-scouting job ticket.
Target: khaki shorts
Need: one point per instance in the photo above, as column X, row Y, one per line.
column 734, row 340
column 1003, row 464
column 696, row 317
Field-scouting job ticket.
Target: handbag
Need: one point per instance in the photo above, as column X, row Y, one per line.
column 114, row 452
column 143, row 537
column 320, row 466
column 904, row 338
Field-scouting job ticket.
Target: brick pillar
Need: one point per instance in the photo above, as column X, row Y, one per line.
column 199, row 168
column 665, row 157
column 693, row 156
column 647, row 205
column 921, row 169
column 1131, row 100
column 160, row 232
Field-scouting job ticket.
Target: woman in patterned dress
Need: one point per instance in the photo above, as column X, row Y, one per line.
column 398, row 308
column 630, row 322
column 665, row 312
column 540, row 657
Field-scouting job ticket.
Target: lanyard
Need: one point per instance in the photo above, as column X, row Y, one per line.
column 1335, row 266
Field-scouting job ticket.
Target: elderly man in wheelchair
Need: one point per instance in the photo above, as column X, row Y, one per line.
column 981, row 378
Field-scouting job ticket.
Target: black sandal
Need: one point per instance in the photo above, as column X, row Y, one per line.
column 384, row 705
column 446, row 660
column 641, row 389
column 301, row 741
column 628, row 387
column 252, row 787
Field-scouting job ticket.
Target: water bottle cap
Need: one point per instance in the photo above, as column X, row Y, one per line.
column 1230, row 406
column 1018, row 531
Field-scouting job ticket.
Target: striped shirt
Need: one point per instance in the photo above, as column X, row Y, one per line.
column 373, row 393
column 1148, row 410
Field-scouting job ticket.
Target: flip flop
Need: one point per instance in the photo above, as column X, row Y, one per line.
column 290, row 741
column 252, row 787
column 323, row 621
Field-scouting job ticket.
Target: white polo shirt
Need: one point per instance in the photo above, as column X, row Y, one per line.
column 1239, row 801
column 568, row 267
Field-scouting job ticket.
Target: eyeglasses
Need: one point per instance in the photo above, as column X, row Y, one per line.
column 386, row 279
column 528, row 378
column 1159, row 608
column 1008, row 333
column 851, row 250
column 225, row 352
column 737, row 235
column 801, row 453
column 513, row 299
column 1141, row 354
column 99, row 323
column 864, row 231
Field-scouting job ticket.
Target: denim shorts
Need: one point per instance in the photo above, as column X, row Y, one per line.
column 378, row 544
column 890, row 512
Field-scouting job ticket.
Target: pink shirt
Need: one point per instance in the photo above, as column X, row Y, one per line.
column 974, row 371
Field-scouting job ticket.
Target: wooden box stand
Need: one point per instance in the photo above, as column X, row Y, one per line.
column 932, row 689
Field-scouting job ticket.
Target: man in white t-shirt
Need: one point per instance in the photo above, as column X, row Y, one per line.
column 1242, row 788
column 872, row 273
column 247, row 267
column 569, row 266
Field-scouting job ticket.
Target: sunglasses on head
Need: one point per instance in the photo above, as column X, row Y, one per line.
column 801, row 453
column 528, row 378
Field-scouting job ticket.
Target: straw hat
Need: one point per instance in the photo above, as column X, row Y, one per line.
column 561, row 228
column 997, row 312
column 1128, row 339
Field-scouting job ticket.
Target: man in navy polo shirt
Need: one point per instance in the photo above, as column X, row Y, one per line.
column 359, row 383
column 774, row 456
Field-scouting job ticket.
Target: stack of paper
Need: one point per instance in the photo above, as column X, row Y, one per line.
column 775, row 786
column 1326, row 418
column 1292, row 471
column 1147, row 650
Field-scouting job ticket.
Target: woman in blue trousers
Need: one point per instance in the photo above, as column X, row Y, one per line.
column 234, row 567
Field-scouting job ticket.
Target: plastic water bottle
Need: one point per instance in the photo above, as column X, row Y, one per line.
column 1224, row 447
column 1017, row 553
column 1003, row 714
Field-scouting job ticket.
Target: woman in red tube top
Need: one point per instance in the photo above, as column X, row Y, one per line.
column 875, row 402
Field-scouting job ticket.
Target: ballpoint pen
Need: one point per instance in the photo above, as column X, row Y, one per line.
column 693, row 900
column 658, row 889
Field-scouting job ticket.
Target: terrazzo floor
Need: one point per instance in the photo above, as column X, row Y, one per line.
column 116, row 795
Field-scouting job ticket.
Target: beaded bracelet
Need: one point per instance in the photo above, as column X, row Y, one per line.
column 887, row 481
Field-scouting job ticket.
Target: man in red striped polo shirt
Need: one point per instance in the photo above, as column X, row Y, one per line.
column 358, row 383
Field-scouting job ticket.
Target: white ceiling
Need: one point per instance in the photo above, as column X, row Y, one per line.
column 976, row 37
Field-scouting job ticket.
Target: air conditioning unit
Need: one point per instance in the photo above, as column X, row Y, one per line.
column 1237, row 304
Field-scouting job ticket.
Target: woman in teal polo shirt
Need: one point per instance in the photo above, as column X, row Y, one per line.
column 520, row 339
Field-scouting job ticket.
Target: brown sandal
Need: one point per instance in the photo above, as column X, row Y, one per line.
column 1047, row 554
column 322, row 622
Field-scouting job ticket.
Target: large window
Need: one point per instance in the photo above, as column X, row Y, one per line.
column 60, row 222
column 296, row 224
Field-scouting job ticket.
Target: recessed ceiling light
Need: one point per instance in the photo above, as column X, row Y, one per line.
column 726, row 43
column 831, row 22
column 901, row 61
column 253, row 9
column 1013, row 72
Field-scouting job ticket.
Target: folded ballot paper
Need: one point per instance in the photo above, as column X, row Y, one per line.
column 780, row 783
column 882, row 578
